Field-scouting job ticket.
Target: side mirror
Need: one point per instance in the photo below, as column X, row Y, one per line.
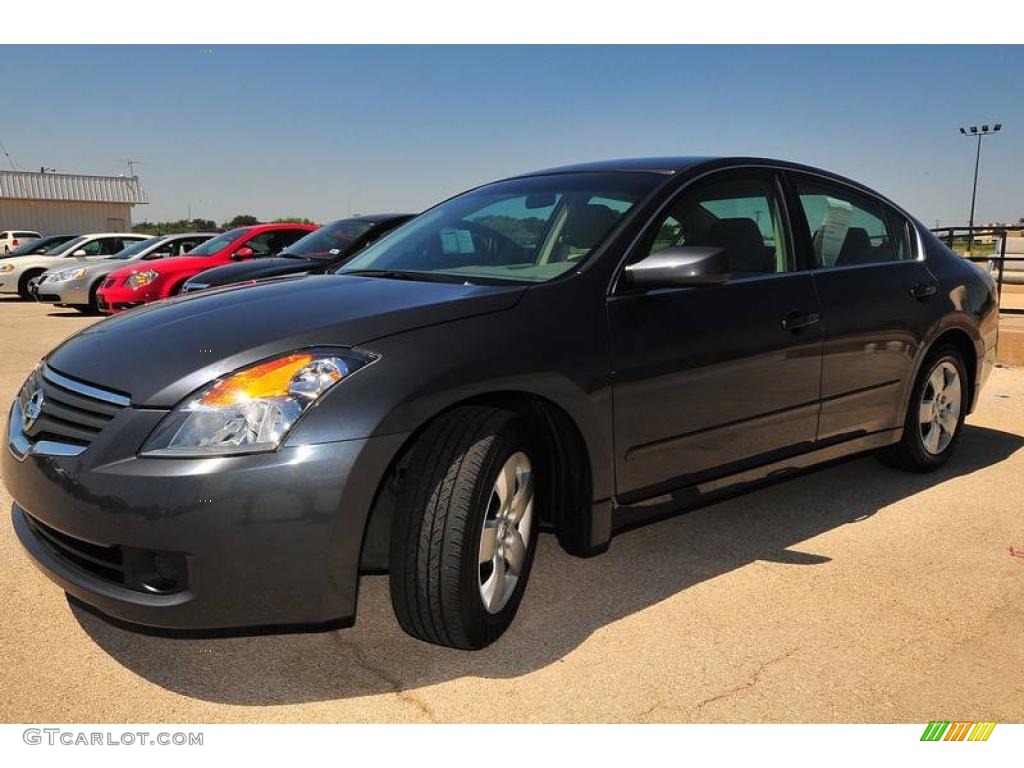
column 80, row 252
column 242, row 253
column 680, row 266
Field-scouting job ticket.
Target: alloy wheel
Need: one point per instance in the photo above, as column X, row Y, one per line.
column 506, row 533
column 939, row 411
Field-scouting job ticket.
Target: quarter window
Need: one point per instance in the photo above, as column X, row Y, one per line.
column 849, row 229
column 737, row 214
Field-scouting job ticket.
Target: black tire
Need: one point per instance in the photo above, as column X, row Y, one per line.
column 910, row 453
column 93, row 307
column 436, row 532
column 23, row 282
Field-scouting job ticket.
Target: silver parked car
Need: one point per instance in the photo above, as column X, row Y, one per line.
column 75, row 286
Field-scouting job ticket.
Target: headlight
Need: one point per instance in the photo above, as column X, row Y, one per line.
column 68, row 274
column 6, row 267
column 253, row 409
column 139, row 279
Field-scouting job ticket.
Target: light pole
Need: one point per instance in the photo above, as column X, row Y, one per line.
column 980, row 132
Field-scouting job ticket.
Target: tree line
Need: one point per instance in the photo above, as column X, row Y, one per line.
column 209, row 225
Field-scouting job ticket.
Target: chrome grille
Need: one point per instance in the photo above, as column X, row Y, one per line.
column 55, row 410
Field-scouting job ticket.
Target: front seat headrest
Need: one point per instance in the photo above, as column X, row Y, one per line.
column 743, row 243
column 587, row 224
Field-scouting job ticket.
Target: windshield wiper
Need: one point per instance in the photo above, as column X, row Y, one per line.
column 406, row 274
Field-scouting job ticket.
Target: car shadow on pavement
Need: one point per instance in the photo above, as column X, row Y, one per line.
column 568, row 598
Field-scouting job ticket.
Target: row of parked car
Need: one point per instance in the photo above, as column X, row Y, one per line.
column 109, row 272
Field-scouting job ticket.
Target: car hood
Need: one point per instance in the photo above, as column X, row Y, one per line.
column 35, row 260
column 160, row 353
column 254, row 270
column 171, row 264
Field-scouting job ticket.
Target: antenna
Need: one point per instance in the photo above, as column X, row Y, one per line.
column 8, row 156
column 131, row 166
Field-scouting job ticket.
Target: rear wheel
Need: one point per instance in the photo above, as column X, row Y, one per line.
column 465, row 529
column 935, row 415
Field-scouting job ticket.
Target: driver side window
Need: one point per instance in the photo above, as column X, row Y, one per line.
column 739, row 214
column 273, row 242
column 92, row 248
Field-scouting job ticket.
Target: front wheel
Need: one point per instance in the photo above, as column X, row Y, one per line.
column 935, row 415
column 465, row 529
column 23, row 283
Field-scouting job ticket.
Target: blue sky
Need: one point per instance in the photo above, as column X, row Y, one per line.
column 316, row 131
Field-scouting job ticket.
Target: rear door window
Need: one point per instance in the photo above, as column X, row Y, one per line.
column 847, row 228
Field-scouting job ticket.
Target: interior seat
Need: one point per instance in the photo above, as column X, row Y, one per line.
column 584, row 228
column 856, row 248
column 743, row 243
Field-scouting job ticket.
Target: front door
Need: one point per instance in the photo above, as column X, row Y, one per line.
column 711, row 380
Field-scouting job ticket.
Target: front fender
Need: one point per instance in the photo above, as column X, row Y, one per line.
column 423, row 372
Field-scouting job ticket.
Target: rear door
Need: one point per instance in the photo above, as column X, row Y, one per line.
column 878, row 299
column 709, row 380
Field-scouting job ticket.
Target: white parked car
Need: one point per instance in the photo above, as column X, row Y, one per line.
column 17, row 271
column 12, row 238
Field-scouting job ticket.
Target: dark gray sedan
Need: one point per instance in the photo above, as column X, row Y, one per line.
column 577, row 350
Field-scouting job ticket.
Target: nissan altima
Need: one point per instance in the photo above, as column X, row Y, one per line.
column 574, row 351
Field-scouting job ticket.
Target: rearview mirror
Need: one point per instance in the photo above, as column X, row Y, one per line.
column 80, row 252
column 242, row 253
column 680, row 266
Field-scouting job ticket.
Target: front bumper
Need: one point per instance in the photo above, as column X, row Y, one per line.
column 118, row 298
column 64, row 292
column 260, row 540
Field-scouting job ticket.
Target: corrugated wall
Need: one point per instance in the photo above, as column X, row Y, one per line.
column 23, row 185
column 53, row 218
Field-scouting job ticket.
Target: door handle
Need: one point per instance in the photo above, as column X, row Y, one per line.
column 796, row 320
column 924, row 290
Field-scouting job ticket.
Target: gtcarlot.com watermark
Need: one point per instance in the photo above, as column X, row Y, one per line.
column 70, row 737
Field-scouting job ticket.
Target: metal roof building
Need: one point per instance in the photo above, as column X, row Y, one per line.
column 66, row 203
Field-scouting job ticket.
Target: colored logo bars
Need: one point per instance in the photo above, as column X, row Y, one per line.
column 960, row 730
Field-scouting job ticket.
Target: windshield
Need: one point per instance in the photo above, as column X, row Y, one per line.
column 217, row 243
column 41, row 246
column 135, row 249
column 330, row 241
column 524, row 230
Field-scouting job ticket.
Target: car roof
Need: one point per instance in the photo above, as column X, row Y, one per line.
column 378, row 217
column 283, row 224
column 669, row 166
column 188, row 234
column 114, row 234
column 664, row 165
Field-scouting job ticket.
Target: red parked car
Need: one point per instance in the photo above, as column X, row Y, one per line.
column 153, row 280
